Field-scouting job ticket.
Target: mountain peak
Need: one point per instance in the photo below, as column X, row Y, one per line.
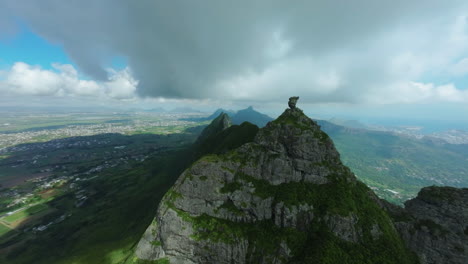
column 252, row 116
column 300, row 137
column 285, row 197
column 220, row 123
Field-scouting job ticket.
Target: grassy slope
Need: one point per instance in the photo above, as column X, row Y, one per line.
column 394, row 162
column 3, row 229
column 25, row 213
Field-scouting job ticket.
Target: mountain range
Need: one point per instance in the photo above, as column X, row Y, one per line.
column 282, row 193
column 284, row 196
column 244, row 115
column 394, row 165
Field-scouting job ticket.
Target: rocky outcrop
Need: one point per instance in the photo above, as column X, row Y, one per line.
column 283, row 198
column 435, row 225
column 293, row 101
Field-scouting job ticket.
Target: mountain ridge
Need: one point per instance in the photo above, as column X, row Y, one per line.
column 252, row 116
column 274, row 199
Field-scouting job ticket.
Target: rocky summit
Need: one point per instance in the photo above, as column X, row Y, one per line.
column 284, row 197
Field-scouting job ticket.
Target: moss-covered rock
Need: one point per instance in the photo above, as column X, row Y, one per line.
column 283, row 198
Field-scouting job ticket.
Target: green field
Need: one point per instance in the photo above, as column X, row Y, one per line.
column 3, row 229
column 25, row 213
column 397, row 163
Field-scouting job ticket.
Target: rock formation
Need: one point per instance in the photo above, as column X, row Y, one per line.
column 435, row 225
column 292, row 102
column 283, row 198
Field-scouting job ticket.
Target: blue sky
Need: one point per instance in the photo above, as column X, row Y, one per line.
column 26, row 46
column 31, row 48
column 391, row 60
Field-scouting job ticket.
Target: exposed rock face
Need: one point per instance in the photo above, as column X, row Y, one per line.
column 435, row 225
column 292, row 102
column 284, row 198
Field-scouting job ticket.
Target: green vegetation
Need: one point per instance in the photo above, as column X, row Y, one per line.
column 203, row 178
column 231, row 187
column 395, row 166
column 140, row 261
column 26, row 213
column 231, row 207
column 3, row 229
column 106, row 230
column 121, row 200
column 18, row 128
column 228, row 139
column 292, row 120
column 156, row 243
column 320, row 245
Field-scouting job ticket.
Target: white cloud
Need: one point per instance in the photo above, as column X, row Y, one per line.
column 64, row 80
column 121, row 85
column 460, row 68
column 417, row 92
column 361, row 51
column 300, row 76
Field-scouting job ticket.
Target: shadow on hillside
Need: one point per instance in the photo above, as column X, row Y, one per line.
column 119, row 206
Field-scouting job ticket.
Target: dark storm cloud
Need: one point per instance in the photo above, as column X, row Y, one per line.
column 327, row 51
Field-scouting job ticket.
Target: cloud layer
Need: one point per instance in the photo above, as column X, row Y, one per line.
column 361, row 51
column 25, row 79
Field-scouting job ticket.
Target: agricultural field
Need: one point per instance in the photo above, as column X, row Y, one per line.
column 20, row 128
column 97, row 183
column 3, row 229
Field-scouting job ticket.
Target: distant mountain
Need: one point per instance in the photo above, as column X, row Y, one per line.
column 184, row 110
column 216, row 113
column 237, row 118
column 219, row 124
column 347, row 123
column 220, row 136
column 252, row 116
column 156, row 110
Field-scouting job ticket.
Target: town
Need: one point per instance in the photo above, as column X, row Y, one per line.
column 13, row 132
column 68, row 166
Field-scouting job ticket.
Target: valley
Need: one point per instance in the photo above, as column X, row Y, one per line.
column 84, row 187
column 90, row 196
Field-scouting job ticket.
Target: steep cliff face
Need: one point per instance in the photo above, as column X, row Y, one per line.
column 283, row 198
column 435, row 225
